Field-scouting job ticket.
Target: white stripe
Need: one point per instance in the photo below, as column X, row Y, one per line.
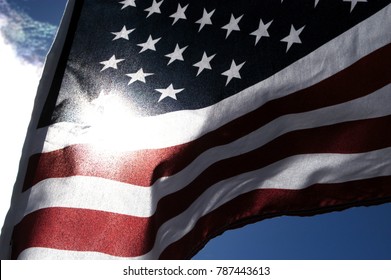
column 183, row 126
column 98, row 194
column 91, row 193
column 313, row 169
column 35, row 253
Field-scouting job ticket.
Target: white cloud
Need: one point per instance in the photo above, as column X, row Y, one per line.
column 19, row 81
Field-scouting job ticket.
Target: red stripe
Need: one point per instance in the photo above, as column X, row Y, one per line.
column 145, row 167
column 267, row 203
column 131, row 167
column 126, row 236
column 84, row 230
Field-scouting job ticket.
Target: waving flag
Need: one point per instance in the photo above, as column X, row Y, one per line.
column 161, row 124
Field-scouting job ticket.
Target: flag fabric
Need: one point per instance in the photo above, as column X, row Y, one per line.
column 161, row 124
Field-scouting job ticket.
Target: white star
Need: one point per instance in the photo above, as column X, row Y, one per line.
column 111, row 63
column 124, row 33
column 177, row 54
column 155, row 8
column 293, row 37
column 232, row 25
column 149, row 44
column 206, row 19
column 138, row 76
column 204, row 63
column 101, row 100
column 261, row 31
column 128, row 3
column 233, row 71
column 354, row 3
column 102, row 106
column 179, row 14
column 168, row 92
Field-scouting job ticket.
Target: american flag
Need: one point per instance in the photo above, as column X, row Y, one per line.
column 162, row 124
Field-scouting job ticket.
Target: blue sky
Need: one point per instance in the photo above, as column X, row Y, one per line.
column 41, row 10
column 358, row 233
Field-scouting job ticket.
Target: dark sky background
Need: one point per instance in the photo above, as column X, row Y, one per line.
column 357, row 233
